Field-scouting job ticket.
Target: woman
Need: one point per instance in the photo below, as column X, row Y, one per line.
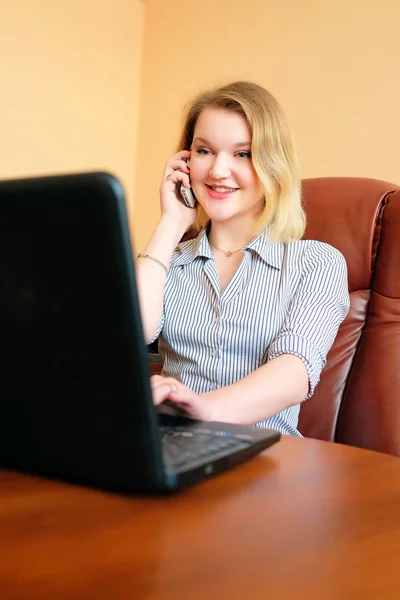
column 247, row 311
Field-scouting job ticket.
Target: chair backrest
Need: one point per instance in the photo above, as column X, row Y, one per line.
column 357, row 401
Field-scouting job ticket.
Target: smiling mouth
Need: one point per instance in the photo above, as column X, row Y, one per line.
column 221, row 189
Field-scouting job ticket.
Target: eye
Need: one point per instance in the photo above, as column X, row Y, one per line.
column 244, row 155
column 202, row 151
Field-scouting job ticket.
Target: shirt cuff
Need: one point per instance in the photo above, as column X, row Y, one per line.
column 303, row 349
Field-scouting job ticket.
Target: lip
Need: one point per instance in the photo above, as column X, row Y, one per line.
column 220, row 195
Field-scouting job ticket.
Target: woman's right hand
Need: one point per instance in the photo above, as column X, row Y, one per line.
column 176, row 173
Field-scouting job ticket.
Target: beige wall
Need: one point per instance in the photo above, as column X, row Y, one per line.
column 70, row 73
column 333, row 64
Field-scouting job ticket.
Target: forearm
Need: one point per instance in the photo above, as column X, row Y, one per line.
column 280, row 383
column 151, row 276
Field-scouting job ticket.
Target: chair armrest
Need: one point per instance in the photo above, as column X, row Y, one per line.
column 155, row 362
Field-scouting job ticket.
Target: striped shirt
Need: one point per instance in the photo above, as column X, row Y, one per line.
column 282, row 299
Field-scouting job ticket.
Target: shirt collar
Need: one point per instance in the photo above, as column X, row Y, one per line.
column 187, row 251
column 199, row 246
column 271, row 253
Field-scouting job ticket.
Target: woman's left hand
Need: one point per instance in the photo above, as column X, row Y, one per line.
column 189, row 404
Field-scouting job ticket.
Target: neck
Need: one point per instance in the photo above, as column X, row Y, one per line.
column 230, row 237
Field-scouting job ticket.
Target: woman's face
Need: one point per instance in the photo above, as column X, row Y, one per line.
column 221, row 171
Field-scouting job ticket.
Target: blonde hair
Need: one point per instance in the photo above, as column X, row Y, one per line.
column 273, row 154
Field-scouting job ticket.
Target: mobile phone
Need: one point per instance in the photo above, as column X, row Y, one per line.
column 187, row 194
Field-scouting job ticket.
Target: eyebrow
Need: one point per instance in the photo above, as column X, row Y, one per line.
column 207, row 143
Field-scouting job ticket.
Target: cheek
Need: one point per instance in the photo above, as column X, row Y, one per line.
column 198, row 172
column 197, row 176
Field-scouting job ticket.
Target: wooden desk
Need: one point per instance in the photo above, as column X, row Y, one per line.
column 306, row 519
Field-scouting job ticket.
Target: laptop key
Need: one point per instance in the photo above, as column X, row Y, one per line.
column 182, row 447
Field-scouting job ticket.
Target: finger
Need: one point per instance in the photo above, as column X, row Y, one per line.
column 178, row 177
column 183, row 396
column 161, row 392
column 157, row 380
column 182, row 155
column 155, row 383
column 177, row 165
column 178, row 160
column 176, row 386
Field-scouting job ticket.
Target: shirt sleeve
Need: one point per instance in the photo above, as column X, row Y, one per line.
column 319, row 305
column 159, row 328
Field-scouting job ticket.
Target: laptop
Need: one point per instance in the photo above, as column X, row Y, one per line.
column 76, row 402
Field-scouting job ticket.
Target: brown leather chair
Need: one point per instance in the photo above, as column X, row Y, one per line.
column 357, row 401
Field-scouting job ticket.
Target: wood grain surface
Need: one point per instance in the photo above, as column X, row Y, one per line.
column 305, row 519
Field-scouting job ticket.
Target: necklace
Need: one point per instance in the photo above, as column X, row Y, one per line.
column 228, row 253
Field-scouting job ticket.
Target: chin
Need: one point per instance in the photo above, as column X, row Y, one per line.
column 218, row 218
column 216, row 212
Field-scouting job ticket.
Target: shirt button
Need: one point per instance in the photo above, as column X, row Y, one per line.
column 212, row 387
column 215, row 353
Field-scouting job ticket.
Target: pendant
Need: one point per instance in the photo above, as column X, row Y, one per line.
column 229, row 253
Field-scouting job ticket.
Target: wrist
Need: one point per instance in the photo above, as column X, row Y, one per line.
column 164, row 240
column 172, row 227
column 215, row 407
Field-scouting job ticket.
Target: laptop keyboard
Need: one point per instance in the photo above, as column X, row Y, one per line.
column 183, row 446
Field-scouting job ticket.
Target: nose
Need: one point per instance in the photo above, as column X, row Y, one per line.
column 220, row 169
